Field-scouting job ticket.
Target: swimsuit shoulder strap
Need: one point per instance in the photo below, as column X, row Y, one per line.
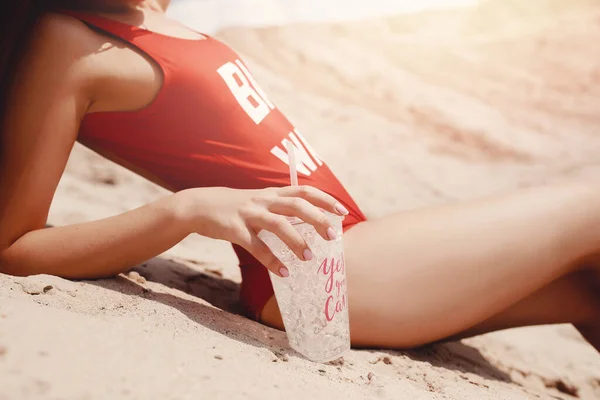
column 122, row 30
column 141, row 38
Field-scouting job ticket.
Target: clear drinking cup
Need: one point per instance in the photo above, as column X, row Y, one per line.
column 313, row 299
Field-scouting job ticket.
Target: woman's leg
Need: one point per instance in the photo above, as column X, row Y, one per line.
column 476, row 266
column 571, row 299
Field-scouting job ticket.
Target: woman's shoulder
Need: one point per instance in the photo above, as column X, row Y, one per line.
column 65, row 34
column 62, row 49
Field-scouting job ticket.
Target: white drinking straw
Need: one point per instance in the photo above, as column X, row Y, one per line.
column 293, row 165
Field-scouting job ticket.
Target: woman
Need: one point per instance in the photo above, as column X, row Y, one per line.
column 182, row 110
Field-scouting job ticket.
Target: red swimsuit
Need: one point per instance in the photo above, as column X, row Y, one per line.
column 210, row 125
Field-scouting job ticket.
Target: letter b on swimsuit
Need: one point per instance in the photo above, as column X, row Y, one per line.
column 251, row 99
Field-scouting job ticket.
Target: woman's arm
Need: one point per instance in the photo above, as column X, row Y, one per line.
column 46, row 105
column 100, row 248
column 49, row 100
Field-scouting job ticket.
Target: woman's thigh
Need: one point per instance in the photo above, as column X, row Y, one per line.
column 418, row 277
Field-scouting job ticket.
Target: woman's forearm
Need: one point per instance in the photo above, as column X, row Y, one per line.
column 101, row 248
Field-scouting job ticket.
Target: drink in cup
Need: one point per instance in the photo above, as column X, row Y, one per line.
column 313, row 299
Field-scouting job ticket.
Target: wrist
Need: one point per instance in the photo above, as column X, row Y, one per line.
column 184, row 210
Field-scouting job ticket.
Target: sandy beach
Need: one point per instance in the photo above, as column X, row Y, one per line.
column 409, row 111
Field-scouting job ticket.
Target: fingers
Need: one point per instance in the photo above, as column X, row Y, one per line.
column 265, row 256
column 298, row 207
column 282, row 228
column 268, row 210
column 316, row 197
column 250, row 241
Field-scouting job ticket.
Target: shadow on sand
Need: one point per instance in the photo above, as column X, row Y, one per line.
column 226, row 316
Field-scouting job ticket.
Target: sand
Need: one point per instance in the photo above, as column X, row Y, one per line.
column 409, row 111
column 210, row 16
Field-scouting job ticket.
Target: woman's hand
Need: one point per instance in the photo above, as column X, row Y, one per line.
column 237, row 216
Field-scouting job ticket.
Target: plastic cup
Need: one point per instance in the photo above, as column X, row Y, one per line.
column 313, row 300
